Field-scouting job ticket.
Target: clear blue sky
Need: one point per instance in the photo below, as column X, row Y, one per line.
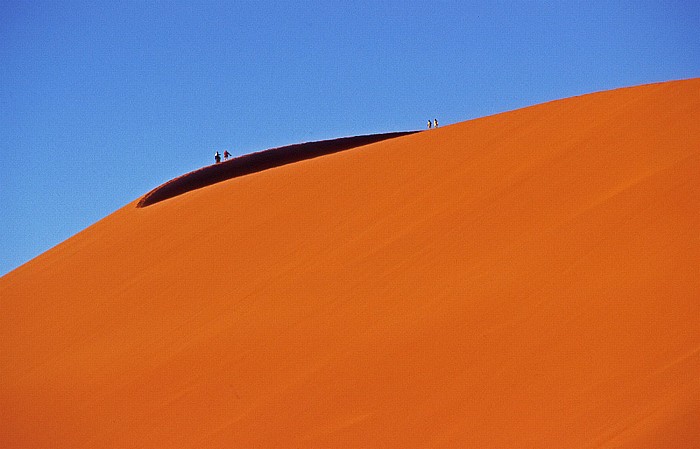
column 102, row 100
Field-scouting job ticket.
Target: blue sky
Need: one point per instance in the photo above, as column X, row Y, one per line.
column 102, row 101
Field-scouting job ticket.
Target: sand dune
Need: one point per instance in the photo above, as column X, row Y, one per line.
column 525, row 280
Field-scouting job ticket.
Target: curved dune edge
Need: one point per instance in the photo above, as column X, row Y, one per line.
column 256, row 162
column 524, row 280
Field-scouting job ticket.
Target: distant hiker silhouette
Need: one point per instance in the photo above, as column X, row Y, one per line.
column 226, row 154
column 217, row 157
column 436, row 125
column 430, row 124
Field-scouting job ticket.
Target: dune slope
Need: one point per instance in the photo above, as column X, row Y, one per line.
column 528, row 279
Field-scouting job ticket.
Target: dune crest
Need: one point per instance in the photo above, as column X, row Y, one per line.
column 528, row 279
column 256, row 162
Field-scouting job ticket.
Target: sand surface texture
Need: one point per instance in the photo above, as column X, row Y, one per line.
column 525, row 280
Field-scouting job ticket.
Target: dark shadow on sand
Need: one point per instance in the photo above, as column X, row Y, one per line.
column 255, row 162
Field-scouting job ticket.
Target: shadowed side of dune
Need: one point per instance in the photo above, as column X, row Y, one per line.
column 255, row 162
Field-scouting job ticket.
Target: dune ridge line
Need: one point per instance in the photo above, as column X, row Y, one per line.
column 258, row 161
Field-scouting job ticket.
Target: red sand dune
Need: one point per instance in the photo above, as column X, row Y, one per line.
column 525, row 280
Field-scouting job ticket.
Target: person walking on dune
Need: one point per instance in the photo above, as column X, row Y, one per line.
column 217, row 157
column 430, row 124
column 436, row 125
column 226, row 155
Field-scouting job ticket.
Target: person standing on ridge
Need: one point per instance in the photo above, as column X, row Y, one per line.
column 226, row 154
column 430, row 124
column 217, row 157
column 436, row 125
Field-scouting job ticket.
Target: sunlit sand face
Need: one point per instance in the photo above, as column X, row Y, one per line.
column 527, row 279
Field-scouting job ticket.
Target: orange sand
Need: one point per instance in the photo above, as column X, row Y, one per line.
column 525, row 280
